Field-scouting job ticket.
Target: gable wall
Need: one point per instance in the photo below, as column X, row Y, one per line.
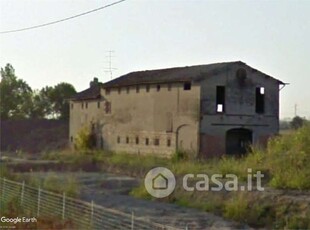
column 240, row 109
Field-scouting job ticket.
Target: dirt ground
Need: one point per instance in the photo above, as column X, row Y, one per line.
column 111, row 191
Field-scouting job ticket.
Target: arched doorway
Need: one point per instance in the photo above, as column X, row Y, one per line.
column 238, row 141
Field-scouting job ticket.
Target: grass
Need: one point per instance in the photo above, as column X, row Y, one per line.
column 12, row 209
column 285, row 163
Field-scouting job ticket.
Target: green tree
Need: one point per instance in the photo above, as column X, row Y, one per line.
column 41, row 104
column 59, row 96
column 15, row 95
column 297, row 122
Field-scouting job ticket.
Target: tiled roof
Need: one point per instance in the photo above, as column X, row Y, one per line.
column 179, row 74
column 88, row 94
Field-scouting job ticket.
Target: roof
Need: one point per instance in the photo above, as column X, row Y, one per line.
column 178, row 74
column 170, row 75
column 89, row 94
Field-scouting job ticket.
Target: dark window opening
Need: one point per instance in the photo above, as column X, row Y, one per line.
column 187, row 86
column 169, row 87
column 260, row 100
column 107, row 107
column 127, row 140
column 146, row 141
column 71, row 138
column 156, row 141
column 137, row 89
column 158, row 88
column 220, row 99
column 137, row 140
column 82, row 105
column 127, row 89
column 147, row 88
column 107, row 91
column 118, row 139
column 119, row 90
column 71, row 105
column 168, row 142
column 86, row 105
column 98, row 104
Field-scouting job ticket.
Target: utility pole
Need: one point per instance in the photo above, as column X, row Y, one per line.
column 295, row 110
column 110, row 69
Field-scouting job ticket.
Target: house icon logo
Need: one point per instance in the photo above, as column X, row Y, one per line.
column 159, row 182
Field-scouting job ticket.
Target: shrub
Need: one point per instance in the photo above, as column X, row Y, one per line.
column 85, row 139
column 180, row 155
column 236, row 208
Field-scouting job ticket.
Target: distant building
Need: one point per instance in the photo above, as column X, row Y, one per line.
column 208, row 110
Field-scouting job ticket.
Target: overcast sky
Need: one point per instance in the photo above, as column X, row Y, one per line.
column 272, row 36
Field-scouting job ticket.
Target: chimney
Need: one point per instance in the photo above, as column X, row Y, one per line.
column 94, row 82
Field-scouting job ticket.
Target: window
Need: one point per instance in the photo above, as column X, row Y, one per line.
column 118, row 139
column 98, row 104
column 137, row 140
column 156, row 141
column 71, row 105
column 127, row 140
column 168, row 142
column 107, row 107
column 82, row 105
column 71, row 138
column 127, row 89
column 86, row 105
column 158, row 88
column 260, row 100
column 146, row 141
column 107, row 91
column 137, row 89
column 187, row 86
column 147, row 87
column 169, row 87
column 220, row 99
column 119, row 90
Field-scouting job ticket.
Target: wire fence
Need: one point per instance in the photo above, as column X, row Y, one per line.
column 85, row 215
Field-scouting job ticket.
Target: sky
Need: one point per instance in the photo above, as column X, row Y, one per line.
column 272, row 36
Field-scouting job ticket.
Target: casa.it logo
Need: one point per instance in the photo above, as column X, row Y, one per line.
column 159, row 182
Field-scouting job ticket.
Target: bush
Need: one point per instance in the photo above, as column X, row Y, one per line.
column 85, row 139
column 180, row 155
column 236, row 208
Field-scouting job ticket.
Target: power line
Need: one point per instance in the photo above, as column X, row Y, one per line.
column 61, row 20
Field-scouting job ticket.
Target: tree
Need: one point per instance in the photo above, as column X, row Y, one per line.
column 15, row 95
column 41, row 105
column 297, row 122
column 59, row 96
column 17, row 99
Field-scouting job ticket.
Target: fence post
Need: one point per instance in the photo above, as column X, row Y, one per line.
column 22, row 194
column 3, row 188
column 63, row 205
column 132, row 220
column 39, row 200
column 92, row 212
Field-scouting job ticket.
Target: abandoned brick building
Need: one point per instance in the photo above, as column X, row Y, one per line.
column 206, row 110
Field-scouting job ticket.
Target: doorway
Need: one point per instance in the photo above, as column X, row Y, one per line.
column 238, row 141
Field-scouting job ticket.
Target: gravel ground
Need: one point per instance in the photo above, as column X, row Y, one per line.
column 111, row 191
